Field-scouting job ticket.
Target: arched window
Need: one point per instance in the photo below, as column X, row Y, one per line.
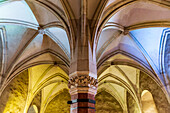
column 148, row 104
column 33, row 109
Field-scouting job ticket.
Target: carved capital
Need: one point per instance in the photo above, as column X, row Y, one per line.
column 82, row 81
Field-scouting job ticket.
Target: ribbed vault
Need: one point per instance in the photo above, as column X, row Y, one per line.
column 126, row 82
column 38, row 86
column 122, row 44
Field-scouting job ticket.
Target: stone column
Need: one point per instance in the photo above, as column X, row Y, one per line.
column 83, row 71
column 82, row 90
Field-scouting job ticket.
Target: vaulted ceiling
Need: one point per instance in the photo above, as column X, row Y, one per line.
column 127, row 36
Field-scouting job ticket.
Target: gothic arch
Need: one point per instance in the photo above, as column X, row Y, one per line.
column 26, row 63
column 148, row 104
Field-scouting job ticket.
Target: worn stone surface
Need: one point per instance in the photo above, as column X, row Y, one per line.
column 106, row 103
column 14, row 97
column 146, row 83
column 59, row 103
column 131, row 104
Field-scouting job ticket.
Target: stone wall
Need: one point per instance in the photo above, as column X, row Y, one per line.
column 106, row 103
column 14, row 96
column 59, row 103
column 131, row 104
column 146, row 83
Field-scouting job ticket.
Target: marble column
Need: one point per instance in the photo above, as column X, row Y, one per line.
column 82, row 90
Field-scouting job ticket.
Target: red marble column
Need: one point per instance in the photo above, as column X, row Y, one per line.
column 83, row 103
column 83, row 95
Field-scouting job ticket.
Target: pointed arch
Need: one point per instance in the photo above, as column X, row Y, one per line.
column 148, row 104
column 26, row 63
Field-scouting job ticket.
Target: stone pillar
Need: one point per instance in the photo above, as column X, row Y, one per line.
column 83, row 70
column 82, row 90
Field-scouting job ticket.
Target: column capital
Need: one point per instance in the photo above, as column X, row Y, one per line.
column 82, row 84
